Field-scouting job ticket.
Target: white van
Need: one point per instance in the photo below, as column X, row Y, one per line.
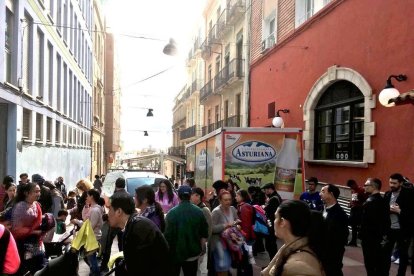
column 133, row 180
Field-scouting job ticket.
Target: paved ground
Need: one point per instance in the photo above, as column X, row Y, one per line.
column 353, row 263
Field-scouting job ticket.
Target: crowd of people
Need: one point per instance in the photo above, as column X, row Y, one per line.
column 181, row 228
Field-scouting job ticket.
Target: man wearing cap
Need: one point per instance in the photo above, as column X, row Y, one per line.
column 272, row 203
column 311, row 196
column 186, row 232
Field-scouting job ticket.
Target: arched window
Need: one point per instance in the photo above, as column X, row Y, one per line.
column 339, row 123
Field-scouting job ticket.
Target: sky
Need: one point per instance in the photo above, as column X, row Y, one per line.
column 139, row 59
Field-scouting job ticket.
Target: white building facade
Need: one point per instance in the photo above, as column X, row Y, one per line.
column 45, row 88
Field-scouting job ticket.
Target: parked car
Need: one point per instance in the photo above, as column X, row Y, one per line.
column 133, row 180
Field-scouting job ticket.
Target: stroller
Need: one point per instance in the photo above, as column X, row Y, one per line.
column 67, row 263
column 57, row 245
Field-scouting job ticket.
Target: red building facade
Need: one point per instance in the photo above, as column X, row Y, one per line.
column 328, row 69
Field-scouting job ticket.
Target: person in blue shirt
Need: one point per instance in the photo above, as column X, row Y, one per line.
column 312, row 197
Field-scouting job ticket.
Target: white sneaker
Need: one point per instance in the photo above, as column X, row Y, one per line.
column 393, row 259
column 397, row 261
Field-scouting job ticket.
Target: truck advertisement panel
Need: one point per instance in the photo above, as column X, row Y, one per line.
column 200, row 173
column 260, row 158
column 190, row 159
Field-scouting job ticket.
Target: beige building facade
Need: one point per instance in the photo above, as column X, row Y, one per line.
column 98, row 105
column 216, row 93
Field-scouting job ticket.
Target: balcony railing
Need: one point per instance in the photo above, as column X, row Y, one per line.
column 195, row 86
column 206, row 90
column 222, row 25
column 189, row 132
column 176, row 151
column 205, row 49
column 212, row 35
column 211, row 127
column 235, row 69
column 217, row 81
column 236, row 9
column 233, row 121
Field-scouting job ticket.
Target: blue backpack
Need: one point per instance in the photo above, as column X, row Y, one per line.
column 260, row 221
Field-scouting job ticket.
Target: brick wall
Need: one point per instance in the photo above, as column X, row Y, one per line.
column 286, row 19
column 256, row 31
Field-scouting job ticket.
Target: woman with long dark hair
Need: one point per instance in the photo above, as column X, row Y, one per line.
column 26, row 222
column 166, row 196
column 301, row 253
column 149, row 208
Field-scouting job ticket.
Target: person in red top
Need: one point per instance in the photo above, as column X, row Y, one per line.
column 245, row 212
column 358, row 197
column 26, row 228
column 9, row 256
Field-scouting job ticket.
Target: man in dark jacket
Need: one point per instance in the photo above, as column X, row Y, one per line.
column 273, row 202
column 336, row 227
column 109, row 233
column 145, row 248
column 375, row 223
column 401, row 212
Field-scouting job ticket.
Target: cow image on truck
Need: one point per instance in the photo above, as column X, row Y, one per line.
column 249, row 157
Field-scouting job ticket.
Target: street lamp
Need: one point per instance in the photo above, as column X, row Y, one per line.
column 278, row 121
column 171, row 48
column 389, row 91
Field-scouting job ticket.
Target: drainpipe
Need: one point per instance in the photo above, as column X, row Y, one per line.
column 246, row 84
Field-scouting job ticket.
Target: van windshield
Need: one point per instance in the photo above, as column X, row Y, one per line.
column 133, row 183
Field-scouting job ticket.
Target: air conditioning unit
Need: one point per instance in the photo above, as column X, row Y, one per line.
column 264, row 45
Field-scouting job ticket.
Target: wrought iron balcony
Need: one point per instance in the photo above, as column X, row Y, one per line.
column 212, row 35
column 176, row 151
column 211, row 127
column 233, row 121
column 206, row 90
column 195, row 86
column 205, row 49
column 222, row 24
column 190, row 132
column 233, row 71
column 236, row 10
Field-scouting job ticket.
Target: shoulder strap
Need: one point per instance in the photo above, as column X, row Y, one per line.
column 4, row 243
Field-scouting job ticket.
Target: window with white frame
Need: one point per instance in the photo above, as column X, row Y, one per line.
column 27, row 53
column 40, row 63
column 57, row 131
column 304, row 9
column 27, row 123
column 48, row 130
column 269, row 32
column 339, row 123
column 39, row 127
column 9, row 47
column 49, row 75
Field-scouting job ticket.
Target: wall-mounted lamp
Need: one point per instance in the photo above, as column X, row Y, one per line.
column 389, row 91
column 145, row 133
column 149, row 114
column 278, row 121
